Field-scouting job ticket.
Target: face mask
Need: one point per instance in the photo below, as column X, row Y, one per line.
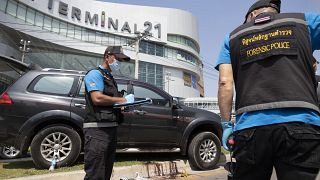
column 115, row 66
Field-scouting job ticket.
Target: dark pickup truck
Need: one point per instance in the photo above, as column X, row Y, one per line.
column 44, row 109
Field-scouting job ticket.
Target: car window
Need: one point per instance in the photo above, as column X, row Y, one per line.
column 53, row 84
column 5, row 82
column 141, row 93
column 120, row 88
column 82, row 90
column 8, row 75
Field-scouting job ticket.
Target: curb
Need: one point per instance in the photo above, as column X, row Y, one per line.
column 148, row 170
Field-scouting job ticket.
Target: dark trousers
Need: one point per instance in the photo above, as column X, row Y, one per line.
column 99, row 152
column 293, row 149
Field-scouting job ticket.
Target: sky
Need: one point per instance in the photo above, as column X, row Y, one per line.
column 217, row 18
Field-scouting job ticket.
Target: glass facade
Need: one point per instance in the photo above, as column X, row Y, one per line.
column 39, row 19
column 3, row 5
column 106, row 39
column 47, row 21
column 184, row 41
column 12, row 7
column 48, row 58
column 169, row 53
column 30, row 16
column 21, row 12
column 62, row 59
column 68, row 59
column 151, row 73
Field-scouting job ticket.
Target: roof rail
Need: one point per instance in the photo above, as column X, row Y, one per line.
column 63, row 70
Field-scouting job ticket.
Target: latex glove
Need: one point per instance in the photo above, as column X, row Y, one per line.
column 129, row 98
column 227, row 131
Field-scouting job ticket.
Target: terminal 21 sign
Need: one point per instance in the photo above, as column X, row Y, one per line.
column 108, row 22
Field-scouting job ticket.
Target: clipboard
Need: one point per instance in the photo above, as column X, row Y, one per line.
column 136, row 103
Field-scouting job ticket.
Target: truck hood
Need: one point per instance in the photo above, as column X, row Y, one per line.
column 201, row 114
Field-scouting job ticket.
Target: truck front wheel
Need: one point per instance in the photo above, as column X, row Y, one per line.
column 204, row 151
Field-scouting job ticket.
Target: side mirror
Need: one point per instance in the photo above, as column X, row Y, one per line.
column 122, row 92
column 175, row 102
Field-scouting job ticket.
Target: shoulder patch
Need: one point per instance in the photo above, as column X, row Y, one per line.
column 262, row 20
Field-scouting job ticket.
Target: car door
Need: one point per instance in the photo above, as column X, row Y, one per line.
column 153, row 124
column 78, row 110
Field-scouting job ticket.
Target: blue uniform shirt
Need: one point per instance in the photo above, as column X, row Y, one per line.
column 94, row 80
column 275, row 116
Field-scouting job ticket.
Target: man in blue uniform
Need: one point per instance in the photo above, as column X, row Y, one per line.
column 100, row 126
column 269, row 59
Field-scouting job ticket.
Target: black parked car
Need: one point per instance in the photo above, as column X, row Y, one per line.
column 45, row 108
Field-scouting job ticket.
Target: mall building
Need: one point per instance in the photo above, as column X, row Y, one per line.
column 163, row 43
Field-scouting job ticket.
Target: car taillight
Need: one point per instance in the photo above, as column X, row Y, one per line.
column 5, row 99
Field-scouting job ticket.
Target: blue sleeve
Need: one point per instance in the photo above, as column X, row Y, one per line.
column 224, row 56
column 313, row 20
column 94, row 81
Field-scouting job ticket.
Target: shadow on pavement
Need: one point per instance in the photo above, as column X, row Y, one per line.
column 19, row 165
column 149, row 157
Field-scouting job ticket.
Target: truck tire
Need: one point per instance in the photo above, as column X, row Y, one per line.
column 204, row 151
column 65, row 140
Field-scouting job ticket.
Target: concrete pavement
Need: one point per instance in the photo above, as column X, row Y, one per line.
column 150, row 170
column 177, row 169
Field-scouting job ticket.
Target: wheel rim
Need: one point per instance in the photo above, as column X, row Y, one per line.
column 208, row 150
column 59, row 142
column 10, row 151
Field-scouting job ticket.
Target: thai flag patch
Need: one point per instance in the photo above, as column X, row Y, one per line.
column 262, row 20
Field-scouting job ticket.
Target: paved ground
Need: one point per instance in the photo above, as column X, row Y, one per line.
column 172, row 169
column 156, row 171
column 216, row 174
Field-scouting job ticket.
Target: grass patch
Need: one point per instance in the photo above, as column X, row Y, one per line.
column 27, row 168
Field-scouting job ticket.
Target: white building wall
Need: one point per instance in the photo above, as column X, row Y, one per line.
column 173, row 21
column 177, row 87
column 170, row 19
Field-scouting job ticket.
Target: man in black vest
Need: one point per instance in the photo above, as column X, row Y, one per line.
column 269, row 59
column 100, row 126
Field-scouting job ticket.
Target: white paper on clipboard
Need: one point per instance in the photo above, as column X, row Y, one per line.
column 136, row 103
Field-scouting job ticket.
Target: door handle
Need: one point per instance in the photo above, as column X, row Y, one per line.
column 79, row 105
column 139, row 112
